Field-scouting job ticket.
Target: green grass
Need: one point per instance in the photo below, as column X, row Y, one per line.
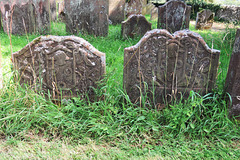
column 114, row 128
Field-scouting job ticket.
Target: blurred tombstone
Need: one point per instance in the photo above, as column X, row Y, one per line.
column 154, row 13
column 116, row 11
column 135, row 25
column 18, row 17
column 174, row 16
column 53, row 9
column 166, row 67
column 204, row 19
column 232, row 84
column 87, row 16
column 133, row 7
column 62, row 66
column 61, row 13
column 147, row 9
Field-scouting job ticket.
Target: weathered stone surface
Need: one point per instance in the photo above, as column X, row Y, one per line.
column 233, row 77
column 53, row 9
column 42, row 16
column 67, row 65
column 204, row 19
column 133, row 7
column 135, row 25
column 165, row 66
column 154, row 13
column 229, row 13
column 20, row 14
column 18, row 18
column 61, row 13
column 87, row 16
column 174, row 16
column 116, row 11
column 147, row 8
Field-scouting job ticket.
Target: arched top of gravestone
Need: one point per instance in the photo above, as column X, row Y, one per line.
column 60, row 63
column 139, row 17
column 177, row 35
column 174, row 15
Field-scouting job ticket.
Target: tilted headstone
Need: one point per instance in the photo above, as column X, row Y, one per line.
column 18, row 18
column 233, row 78
column 68, row 65
column 165, row 66
column 204, row 19
column 116, row 11
column 174, row 16
column 135, row 25
column 87, row 16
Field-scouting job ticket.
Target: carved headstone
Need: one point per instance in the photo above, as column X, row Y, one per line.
column 233, row 78
column 68, row 65
column 18, row 18
column 42, row 16
column 204, row 19
column 135, row 25
column 116, row 11
column 174, row 16
column 166, row 66
column 87, row 16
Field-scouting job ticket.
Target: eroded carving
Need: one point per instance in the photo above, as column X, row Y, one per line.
column 67, row 65
column 174, row 16
column 166, row 66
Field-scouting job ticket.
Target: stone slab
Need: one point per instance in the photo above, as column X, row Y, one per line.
column 167, row 66
column 60, row 65
column 204, row 19
column 116, row 11
column 174, row 16
column 233, row 78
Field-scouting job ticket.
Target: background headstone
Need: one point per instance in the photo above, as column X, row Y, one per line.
column 204, row 19
column 154, row 13
column 116, row 11
column 85, row 16
column 135, row 25
column 147, row 8
column 166, row 66
column 233, row 77
column 53, row 9
column 174, row 16
column 134, row 7
column 68, row 65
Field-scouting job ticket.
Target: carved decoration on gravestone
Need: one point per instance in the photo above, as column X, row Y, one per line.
column 174, row 16
column 165, row 66
column 87, row 16
column 233, row 78
column 116, row 11
column 68, row 65
column 43, row 16
column 204, row 19
column 135, row 25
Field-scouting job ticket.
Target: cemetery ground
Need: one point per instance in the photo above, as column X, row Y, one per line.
column 33, row 127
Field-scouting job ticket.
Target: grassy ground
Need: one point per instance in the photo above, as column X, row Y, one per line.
column 33, row 127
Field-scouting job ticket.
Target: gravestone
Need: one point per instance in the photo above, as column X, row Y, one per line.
column 18, row 18
column 53, row 9
column 167, row 66
column 204, row 19
column 135, row 25
column 174, row 16
column 133, row 7
column 154, row 14
column 61, row 13
column 42, row 16
column 233, row 78
column 147, row 8
column 116, row 11
column 84, row 16
column 68, row 65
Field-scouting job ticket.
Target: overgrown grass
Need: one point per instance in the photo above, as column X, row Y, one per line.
column 196, row 128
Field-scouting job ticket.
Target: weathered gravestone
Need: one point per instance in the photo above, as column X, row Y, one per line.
column 165, row 66
column 133, row 7
column 87, row 16
column 147, row 8
column 67, row 65
column 18, row 18
column 233, row 78
column 21, row 16
column 135, row 25
column 204, row 19
column 174, row 16
column 53, row 9
column 43, row 16
column 116, row 11
column 154, row 13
